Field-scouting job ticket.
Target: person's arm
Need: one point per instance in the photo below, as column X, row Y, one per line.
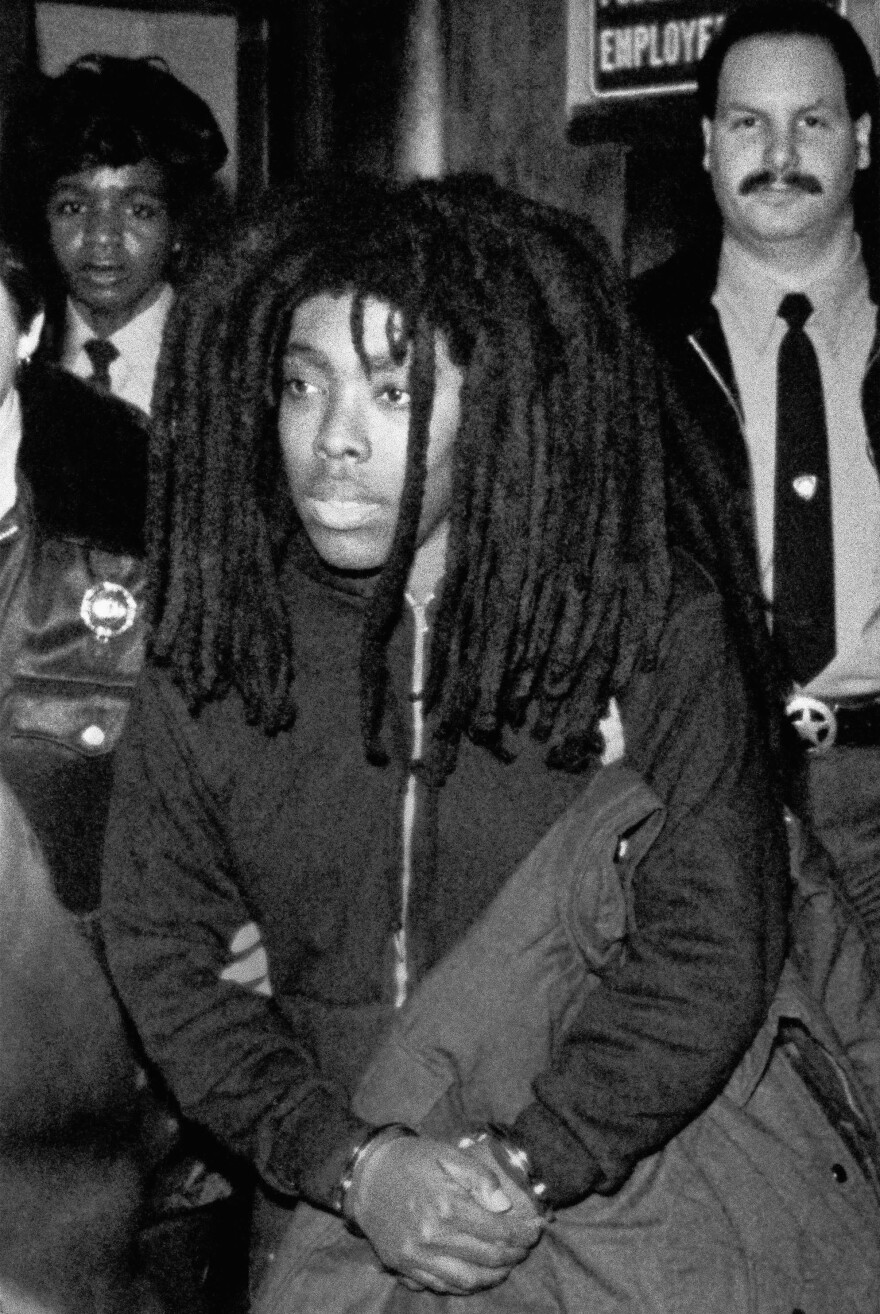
column 170, row 908
column 170, row 905
column 660, row 1036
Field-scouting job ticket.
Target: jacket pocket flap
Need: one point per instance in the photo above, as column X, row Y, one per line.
column 625, row 818
column 88, row 724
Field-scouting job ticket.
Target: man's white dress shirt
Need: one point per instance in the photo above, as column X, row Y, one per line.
column 842, row 329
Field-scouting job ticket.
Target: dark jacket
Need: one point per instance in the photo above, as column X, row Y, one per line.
column 674, row 304
column 215, row 824
column 767, row 1201
column 72, row 631
column 71, row 615
column 79, row 1136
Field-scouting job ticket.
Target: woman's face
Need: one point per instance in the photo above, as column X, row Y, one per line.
column 112, row 236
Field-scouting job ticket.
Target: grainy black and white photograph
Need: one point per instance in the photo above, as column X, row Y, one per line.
column 439, row 657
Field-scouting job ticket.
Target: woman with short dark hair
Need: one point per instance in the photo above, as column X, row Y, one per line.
column 117, row 159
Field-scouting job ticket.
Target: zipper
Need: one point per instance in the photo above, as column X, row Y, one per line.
column 401, row 951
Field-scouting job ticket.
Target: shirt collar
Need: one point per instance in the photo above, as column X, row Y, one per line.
column 131, row 340
column 751, row 291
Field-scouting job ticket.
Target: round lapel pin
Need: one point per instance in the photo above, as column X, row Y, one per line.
column 108, row 610
column 805, row 486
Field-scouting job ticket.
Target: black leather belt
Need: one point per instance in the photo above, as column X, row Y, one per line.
column 853, row 723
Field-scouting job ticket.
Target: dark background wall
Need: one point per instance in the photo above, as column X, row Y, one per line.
column 402, row 86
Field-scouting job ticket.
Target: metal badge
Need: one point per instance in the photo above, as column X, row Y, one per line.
column 108, row 610
column 814, row 721
column 805, row 487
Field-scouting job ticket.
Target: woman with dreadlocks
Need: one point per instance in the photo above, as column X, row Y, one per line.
column 414, row 599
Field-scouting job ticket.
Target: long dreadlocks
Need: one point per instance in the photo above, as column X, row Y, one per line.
column 558, row 568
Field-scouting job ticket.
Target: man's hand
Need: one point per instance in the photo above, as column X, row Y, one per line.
column 521, row 1197
column 440, row 1218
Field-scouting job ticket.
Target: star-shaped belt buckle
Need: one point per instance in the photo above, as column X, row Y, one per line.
column 814, row 721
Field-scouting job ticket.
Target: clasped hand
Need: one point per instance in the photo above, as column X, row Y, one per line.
column 443, row 1218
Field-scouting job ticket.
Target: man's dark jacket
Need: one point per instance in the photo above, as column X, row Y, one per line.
column 674, row 304
column 215, row 824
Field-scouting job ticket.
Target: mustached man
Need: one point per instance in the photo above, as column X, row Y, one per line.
column 771, row 334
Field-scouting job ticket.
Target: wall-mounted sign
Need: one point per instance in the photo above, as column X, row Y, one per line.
column 628, row 48
column 648, row 46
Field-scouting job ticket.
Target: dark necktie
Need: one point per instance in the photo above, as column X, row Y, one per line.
column 102, row 355
column 803, row 548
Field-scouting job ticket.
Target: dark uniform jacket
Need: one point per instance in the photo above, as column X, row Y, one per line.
column 76, row 1133
column 674, row 303
column 71, row 615
column 72, row 631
